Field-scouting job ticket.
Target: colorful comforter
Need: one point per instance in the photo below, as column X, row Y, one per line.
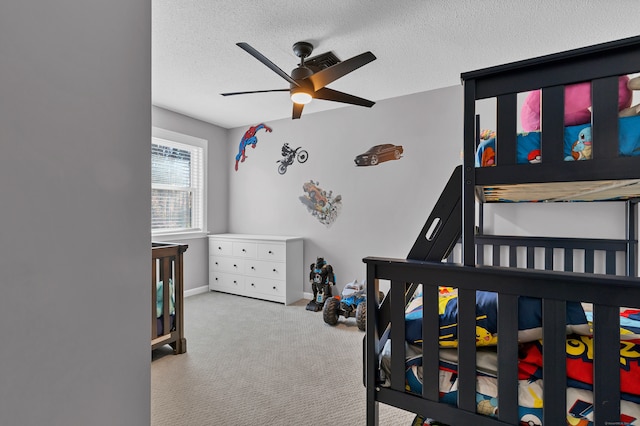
column 579, row 358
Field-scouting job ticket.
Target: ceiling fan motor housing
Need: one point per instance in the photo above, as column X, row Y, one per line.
column 300, row 73
column 304, row 85
column 302, row 49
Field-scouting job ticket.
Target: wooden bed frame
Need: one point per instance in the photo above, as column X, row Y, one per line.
column 167, row 264
column 608, row 292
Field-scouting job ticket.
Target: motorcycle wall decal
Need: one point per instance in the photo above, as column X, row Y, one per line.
column 289, row 156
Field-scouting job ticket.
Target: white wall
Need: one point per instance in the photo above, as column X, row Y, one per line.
column 383, row 207
column 196, row 257
column 75, row 107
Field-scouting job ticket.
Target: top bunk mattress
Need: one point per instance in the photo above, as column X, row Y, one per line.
column 577, row 145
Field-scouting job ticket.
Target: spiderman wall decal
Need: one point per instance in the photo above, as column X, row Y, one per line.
column 249, row 138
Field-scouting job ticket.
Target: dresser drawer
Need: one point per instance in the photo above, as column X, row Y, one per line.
column 226, row 282
column 274, row 252
column 265, row 269
column 265, row 286
column 220, row 247
column 245, row 249
column 231, row 265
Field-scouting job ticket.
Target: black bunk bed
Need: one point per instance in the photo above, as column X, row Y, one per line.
column 605, row 289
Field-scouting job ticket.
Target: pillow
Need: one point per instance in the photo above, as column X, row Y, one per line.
column 159, row 299
column 529, row 318
column 577, row 104
column 486, row 313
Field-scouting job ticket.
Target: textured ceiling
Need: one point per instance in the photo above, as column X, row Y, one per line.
column 420, row 45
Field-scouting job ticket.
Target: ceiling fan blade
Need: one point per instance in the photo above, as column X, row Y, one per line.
column 334, row 72
column 259, row 56
column 254, row 91
column 297, row 110
column 333, row 95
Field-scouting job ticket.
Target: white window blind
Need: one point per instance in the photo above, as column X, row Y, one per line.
column 177, row 185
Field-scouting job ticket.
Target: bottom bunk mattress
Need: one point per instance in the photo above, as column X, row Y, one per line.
column 530, row 384
column 579, row 359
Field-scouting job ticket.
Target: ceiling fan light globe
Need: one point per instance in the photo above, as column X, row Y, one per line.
column 301, row 98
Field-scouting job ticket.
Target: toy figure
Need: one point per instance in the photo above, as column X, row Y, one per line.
column 322, row 278
column 581, row 149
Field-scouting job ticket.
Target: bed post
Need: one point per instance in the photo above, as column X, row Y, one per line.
column 371, row 346
column 180, row 345
column 631, row 221
column 468, row 174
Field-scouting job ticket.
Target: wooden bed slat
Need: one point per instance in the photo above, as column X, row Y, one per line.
column 552, row 125
column 553, row 349
column 397, row 336
column 507, row 353
column 513, row 256
column 606, row 365
column 430, row 333
column 531, row 261
column 166, row 268
column 496, row 254
column 589, row 260
column 631, row 213
column 506, row 128
column 610, row 262
column 467, row 349
column 548, row 258
column 372, row 348
column 154, row 300
column 604, row 130
column 568, row 260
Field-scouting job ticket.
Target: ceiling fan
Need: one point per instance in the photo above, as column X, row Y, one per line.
column 305, row 84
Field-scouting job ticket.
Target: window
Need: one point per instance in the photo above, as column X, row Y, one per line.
column 178, row 168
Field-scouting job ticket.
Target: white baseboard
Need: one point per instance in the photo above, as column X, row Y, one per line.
column 307, row 295
column 197, row 290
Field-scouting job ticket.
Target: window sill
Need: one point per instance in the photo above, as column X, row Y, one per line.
column 169, row 236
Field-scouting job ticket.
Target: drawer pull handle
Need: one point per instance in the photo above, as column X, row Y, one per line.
column 270, row 252
column 243, row 250
column 216, row 263
column 216, row 278
column 253, row 285
column 274, row 270
column 235, row 282
column 274, row 287
column 219, row 248
column 253, row 267
column 235, row 266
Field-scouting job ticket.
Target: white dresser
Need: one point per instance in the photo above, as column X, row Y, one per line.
column 266, row 267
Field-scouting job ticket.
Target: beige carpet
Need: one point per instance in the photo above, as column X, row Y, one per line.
column 251, row 362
